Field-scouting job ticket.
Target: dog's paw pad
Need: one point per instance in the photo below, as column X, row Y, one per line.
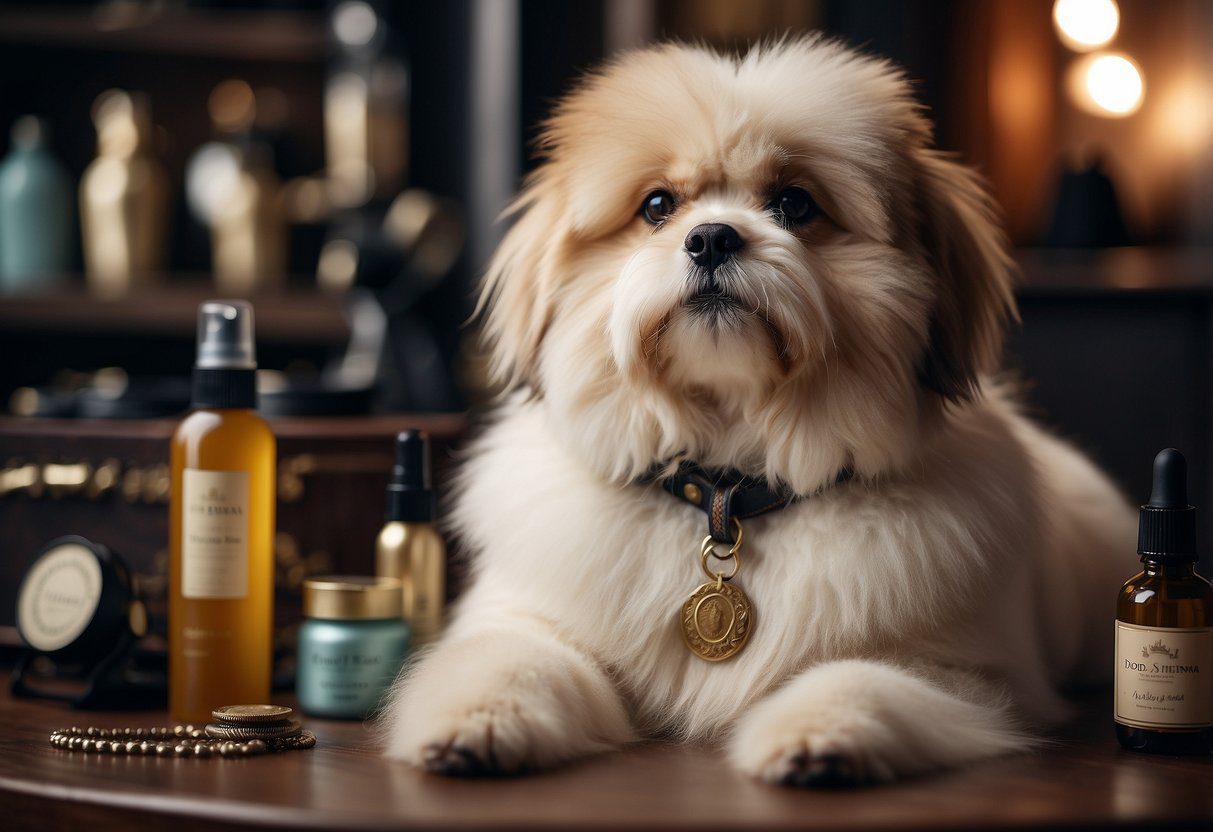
column 457, row 758
column 453, row 760
column 806, row 770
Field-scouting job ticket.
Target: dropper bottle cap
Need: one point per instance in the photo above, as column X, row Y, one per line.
column 225, row 369
column 410, row 497
column 1167, row 525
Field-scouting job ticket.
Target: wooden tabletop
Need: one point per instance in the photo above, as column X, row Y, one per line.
column 1083, row 780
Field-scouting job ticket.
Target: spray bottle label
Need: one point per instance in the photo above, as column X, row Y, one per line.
column 214, row 544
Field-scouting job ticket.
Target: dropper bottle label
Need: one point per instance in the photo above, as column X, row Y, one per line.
column 1164, row 674
column 1163, row 677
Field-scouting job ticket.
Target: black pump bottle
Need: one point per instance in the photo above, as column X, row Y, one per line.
column 409, row 547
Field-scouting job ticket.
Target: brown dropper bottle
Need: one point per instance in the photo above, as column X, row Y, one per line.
column 1164, row 628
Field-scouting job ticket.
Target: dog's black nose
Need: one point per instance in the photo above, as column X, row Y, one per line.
column 710, row 244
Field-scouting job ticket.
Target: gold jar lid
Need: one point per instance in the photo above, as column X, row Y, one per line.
column 352, row 597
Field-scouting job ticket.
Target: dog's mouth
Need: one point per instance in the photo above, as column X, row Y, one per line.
column 713, row 304
column 717, row 311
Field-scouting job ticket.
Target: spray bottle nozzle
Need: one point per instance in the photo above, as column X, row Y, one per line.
column 226, row 365
column 225, row 335
column 412, row 468
column 409, row 496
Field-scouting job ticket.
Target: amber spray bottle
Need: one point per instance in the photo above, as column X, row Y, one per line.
column 1164, row 628
column 221, row 568
column 409, row 547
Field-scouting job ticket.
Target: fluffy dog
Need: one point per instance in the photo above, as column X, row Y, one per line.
column 759, row 264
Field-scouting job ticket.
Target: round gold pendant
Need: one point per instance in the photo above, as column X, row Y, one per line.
column 716, row 621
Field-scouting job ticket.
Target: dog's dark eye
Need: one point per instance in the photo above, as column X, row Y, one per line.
column 794, row 205
column 657, row 207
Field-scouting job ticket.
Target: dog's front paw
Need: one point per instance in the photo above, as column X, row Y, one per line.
column 849, row 723
column 786, row 751
column 484, row 742
column 503, row 703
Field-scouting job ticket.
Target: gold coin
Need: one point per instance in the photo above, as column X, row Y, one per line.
column 716, row 621
column 241, row 733
column 252, row 713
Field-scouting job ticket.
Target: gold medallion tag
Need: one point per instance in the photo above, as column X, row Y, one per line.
column 716, row 620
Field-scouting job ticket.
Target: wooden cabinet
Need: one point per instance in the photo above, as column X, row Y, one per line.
column 1115, row 354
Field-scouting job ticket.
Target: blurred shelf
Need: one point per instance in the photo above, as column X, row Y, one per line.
column 1126, row 270
column 443, row 427
column 259, row 35
column 298, row 316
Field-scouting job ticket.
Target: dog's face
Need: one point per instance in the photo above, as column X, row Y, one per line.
column 754, row 262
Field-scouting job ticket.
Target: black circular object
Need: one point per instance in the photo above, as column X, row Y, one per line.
column 74, row 601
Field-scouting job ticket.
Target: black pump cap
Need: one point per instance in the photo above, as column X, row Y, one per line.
column 1167, row 527
column 410, row 498
column 225, row 370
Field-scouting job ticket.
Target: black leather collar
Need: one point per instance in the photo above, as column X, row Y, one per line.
column 726, row 496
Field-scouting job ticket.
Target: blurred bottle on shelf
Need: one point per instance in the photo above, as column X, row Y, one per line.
column 1086, row 209
column 123, row 198
column 233, row 190
column 386, row 263
column 35, row 211
column 365, row 106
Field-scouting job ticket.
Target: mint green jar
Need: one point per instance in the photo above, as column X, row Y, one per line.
column 351, row 645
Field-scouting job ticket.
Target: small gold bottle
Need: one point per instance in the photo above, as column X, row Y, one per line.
column 124, row 198
column 1164, row 628
column 409, row 547
column 221, row 550
column 245, row 213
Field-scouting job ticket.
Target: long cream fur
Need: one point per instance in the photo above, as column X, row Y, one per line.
column 921, row 616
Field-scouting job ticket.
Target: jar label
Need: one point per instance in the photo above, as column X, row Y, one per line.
column 59, row 597
column 214, row 534
column 1164, row 676
column 345, row 671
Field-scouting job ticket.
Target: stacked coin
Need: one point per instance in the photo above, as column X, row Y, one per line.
column 272, row 724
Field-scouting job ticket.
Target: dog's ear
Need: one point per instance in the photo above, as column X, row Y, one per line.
column 961, row 237
column 516, row 293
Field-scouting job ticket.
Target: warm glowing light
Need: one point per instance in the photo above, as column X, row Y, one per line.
column 1182, row 113
column 1107, row 84
column 1084, row 25
column 1114, row 83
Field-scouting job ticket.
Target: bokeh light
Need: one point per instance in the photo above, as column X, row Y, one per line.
column 1107, row 84
column 1084, row 25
